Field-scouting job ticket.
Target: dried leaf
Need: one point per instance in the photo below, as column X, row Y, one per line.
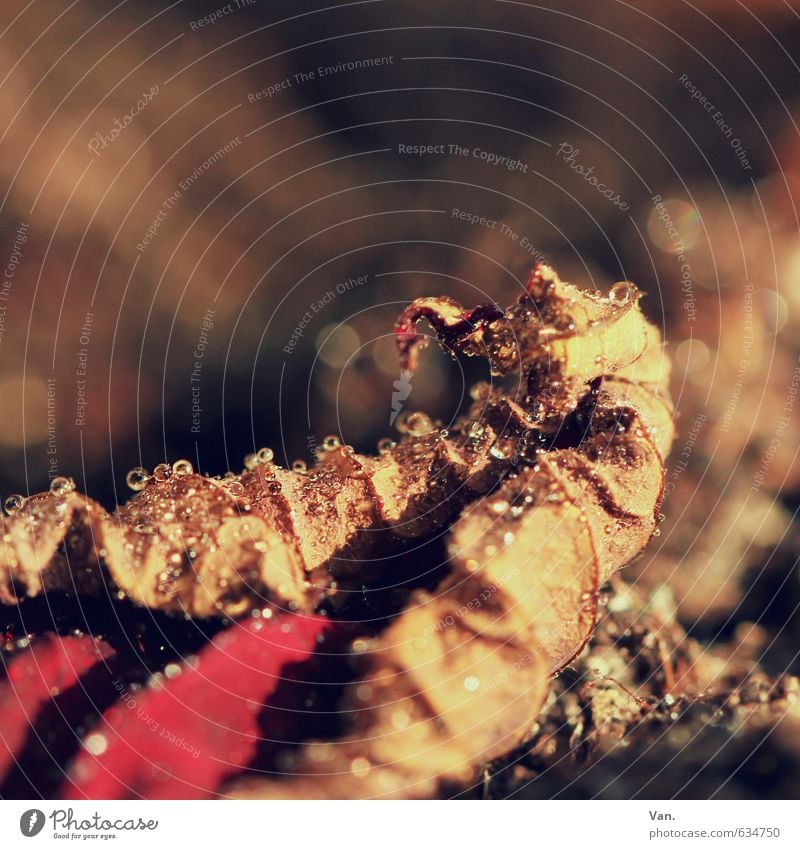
column 570, row 446
column 462, row 674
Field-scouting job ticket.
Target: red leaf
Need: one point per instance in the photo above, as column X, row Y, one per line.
column 34, row 679
column 180, row 737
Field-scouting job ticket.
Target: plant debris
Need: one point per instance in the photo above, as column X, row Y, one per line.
column 550, row 483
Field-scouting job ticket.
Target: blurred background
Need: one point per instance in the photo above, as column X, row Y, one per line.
column 211, row 215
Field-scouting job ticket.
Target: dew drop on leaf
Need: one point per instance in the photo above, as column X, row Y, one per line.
column 137, row 478
column 62, row 485
column 386, row 445
column 265, row 455
column 182, row 468
column 162, row 472
column 622, row 292
column 14, row 503
column 418, row 424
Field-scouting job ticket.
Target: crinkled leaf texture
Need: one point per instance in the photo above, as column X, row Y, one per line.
column 549, row 484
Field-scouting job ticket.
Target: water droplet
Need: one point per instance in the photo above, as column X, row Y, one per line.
column 622, row 292
column 172, row 670
column 14, row 503
column 401, row 423
column 480, row 391
column 471, row 683
column 181, row 468
column 331, row 443
column 386, row 445
column 250, row 461
column 265, row 455
column 137, row 478
column 475, row 430
column 162, row 472
column 62, row 485
column 300, row 467
column 96, row 744
column 502, row 449
column 418, row 424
